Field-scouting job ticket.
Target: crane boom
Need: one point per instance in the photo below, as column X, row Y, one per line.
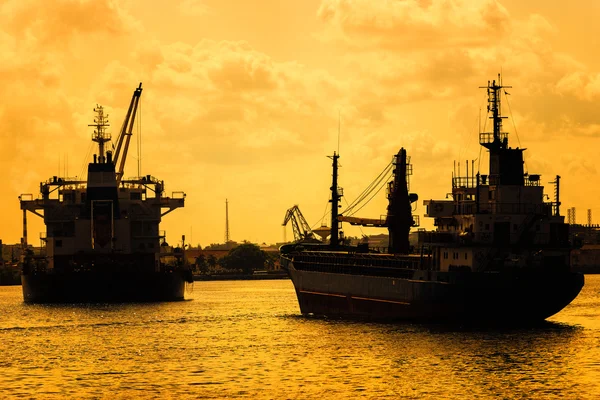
column 300, row 227
column 126, row 132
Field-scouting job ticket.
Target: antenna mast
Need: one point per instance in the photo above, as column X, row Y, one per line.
column 100, row 135
column 499, row 138
column 339, row 129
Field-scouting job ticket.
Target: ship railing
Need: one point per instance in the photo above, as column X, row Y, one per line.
column 471, row 207
column 178, row 195
column 358, row 263
column 141, row 179
column 488, row 137
column 171, row 202
column 101, row 135
column 60, row 181
column 464, row 182
column 26, row 197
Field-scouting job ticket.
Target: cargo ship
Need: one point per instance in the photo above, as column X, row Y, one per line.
column 102, row 241
column 499, row 252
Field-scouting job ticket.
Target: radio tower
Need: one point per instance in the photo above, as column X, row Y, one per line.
column 226, row 221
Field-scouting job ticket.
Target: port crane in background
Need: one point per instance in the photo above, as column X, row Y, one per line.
column 300, row 227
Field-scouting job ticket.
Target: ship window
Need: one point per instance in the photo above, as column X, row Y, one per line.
column 135, row 196
column 58, row 243
column 466, row 256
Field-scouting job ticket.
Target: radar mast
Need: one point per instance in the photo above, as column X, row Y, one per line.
column 100, row 135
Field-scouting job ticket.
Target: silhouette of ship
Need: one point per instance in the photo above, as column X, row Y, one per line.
column 102, row 240
column 500, row 253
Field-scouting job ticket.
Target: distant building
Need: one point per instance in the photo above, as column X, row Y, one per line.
column 192, row 254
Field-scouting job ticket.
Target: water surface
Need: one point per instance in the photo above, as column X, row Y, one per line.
column 246, row 339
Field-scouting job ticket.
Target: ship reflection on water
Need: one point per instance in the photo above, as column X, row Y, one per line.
column 246, row 339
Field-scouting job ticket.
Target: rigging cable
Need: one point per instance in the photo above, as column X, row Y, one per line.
column 323, row 217
column 376, row 182
column 86, row 160
column 367, row 202
column 359, row 226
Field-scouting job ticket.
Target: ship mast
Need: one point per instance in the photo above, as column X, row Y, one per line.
column 100, row 135
column 399, row 217
column 335, row 201
column 498, row 139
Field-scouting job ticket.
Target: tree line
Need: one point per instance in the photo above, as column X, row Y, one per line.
column 245, row 258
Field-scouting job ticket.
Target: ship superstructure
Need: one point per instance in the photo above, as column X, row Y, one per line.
column 500, row 252
column 499, row 219
column 102, row 239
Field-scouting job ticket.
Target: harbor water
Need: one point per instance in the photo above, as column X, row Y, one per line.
column 247, row 339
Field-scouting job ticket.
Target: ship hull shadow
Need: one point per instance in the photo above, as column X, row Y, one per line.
column 90, row 287
column 480, row 298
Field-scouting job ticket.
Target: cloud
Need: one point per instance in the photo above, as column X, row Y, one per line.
column 234, row 118
column 414, row 25
column 56, row 23
column 194, row 8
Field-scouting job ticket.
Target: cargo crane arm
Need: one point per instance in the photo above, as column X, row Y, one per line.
column 125, row 134
column 300, row 227
column 400, row 179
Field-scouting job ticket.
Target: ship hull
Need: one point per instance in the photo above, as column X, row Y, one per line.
column 90, row 286
column 506, row 297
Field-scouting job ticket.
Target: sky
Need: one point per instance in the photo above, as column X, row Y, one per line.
column 244, row 101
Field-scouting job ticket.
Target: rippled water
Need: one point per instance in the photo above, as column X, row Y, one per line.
column 247, row 339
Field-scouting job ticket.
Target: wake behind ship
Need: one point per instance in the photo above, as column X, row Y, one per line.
column 102, row 240
column 499, row 254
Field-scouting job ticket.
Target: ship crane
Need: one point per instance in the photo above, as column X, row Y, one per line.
column 393, row 187
column 300, row 227
column 125, row 134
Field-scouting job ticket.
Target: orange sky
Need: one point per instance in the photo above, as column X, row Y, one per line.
column 241, row 99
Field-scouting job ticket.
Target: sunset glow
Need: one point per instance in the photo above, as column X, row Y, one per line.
column 244, row 100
